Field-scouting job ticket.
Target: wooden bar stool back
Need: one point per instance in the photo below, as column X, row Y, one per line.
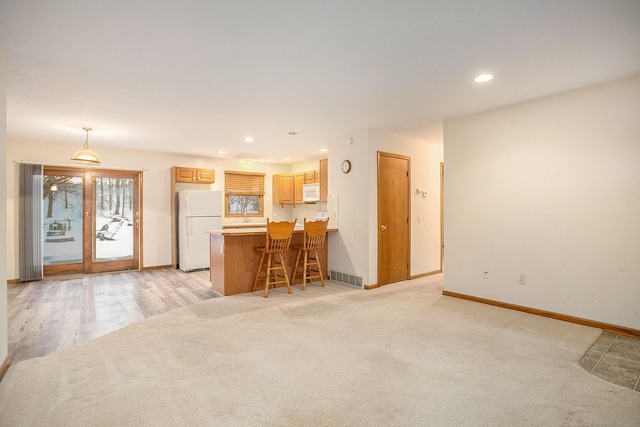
column 272, row 264
column 314, row 236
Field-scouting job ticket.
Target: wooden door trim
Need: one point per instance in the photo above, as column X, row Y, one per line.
column 408, row 195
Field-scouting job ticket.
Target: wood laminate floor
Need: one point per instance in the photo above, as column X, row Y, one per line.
column 54, row 314
column 614, row 358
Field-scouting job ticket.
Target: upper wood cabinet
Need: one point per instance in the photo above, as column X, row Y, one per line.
column 298, row 180
column 193, row 175
column 311, row 177
column 283, row 189
column 287, row 188
column 323, row 180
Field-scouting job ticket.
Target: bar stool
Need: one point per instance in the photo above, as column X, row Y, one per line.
column 314, row 235
column 278, row 241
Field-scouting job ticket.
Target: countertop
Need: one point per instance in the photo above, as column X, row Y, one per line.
column 247, row 231
column 244, row 225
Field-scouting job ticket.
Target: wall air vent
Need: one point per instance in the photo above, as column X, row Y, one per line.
column 347, row 279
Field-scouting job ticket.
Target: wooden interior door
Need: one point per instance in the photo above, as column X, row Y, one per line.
column 394, row 226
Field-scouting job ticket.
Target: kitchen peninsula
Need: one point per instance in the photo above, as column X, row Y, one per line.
column 233, row 260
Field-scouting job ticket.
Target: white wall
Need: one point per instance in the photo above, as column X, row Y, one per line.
column 551, row 189
column 156, row 189
column 349, row 249
column 355, row 249
column 4, row 331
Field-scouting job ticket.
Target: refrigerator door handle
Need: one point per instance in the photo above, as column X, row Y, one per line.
column 188, row 231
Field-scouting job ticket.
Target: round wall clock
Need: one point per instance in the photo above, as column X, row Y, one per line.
column 345, row 166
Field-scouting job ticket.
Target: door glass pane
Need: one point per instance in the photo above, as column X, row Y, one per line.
column 62, row 219
column 114, row 219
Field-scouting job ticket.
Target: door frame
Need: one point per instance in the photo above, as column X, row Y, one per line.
column 408, row 223
column 88, row 265
column 92, row 265
column 441, row 216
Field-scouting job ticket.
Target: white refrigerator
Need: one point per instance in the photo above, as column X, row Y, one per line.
column 198, row 211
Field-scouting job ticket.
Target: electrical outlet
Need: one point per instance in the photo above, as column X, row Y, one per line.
column 485, row 274
column 522, row 279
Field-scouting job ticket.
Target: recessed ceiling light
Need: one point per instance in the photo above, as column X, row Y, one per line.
column 287, row 159
column 324, row 150
column 293, row 132
column 483, row 78
column 248, row 139
column 220, row 152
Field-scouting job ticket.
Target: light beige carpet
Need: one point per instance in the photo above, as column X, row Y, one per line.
column 398, row 355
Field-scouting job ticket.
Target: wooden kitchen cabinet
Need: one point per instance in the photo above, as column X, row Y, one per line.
column 322, row 179
column 283, row 189
column 287, row 189
column 193, row 175
column 311, row 177
column 298, row 180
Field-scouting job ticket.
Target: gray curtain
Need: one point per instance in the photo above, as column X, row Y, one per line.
column 30, row 255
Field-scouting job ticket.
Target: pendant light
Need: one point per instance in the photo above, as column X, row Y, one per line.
column 86, row 156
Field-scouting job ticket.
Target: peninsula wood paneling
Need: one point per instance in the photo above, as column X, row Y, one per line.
column 233, row 267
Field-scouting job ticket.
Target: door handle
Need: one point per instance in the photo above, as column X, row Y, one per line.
column 383, row 227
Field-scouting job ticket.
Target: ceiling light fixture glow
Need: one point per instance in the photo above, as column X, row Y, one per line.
column 483, row 78
column 248, row 139
column 324, row 150
column 220, row 152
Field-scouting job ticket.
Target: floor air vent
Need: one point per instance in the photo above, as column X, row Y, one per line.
column 347, row 279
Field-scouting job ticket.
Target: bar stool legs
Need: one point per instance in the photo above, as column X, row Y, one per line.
column 309, row 261
column 313, row 239
column 278, row 239
column 275, row 272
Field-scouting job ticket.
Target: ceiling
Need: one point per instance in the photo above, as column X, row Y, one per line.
column 196, row 77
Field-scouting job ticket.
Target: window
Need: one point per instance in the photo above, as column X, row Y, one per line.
column 244, row 193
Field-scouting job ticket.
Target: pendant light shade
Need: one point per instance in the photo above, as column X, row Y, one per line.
column 86, row 156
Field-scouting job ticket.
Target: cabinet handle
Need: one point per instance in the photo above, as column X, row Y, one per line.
column 383, row 227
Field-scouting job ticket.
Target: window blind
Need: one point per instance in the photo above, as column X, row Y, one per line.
column 244, row 183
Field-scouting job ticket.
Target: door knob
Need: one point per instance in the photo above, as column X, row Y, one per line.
column 383, row 227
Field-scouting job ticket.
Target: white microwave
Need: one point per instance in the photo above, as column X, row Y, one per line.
column 311, row 193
